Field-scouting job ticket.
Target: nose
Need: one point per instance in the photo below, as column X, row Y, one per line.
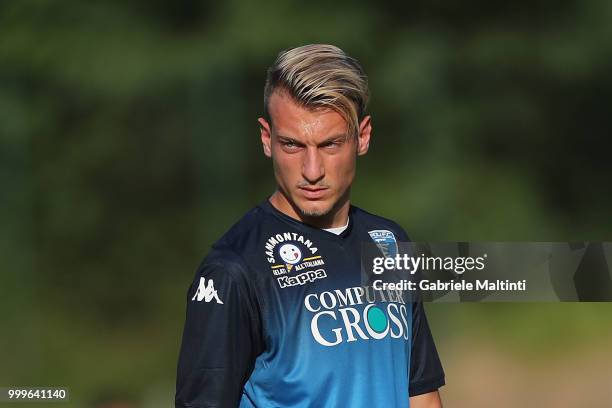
column 312, row 168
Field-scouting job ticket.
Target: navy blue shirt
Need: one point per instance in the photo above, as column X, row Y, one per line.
column 277, row 316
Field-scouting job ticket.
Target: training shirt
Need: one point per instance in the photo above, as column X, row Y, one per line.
column 277, row 316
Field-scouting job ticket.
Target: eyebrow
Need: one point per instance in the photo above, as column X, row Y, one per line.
column 343, row 136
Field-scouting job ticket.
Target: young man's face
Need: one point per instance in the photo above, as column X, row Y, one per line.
column 314, row 157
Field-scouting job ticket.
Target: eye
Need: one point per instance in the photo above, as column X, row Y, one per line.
column 290, row 145
column 331, row 145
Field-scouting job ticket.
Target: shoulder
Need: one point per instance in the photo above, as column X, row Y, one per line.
column 245, row 234
column 378, row 224
column 227, row 255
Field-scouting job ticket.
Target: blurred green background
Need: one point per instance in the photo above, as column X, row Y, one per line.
column 129, row 143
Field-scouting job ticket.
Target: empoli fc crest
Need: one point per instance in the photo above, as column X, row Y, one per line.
column 386, row 242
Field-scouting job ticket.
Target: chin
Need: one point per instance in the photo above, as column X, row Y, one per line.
column 315, row 210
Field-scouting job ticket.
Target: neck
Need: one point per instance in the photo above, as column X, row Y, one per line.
column 336, row 217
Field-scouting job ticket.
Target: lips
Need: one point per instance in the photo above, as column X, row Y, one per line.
column 313, row 193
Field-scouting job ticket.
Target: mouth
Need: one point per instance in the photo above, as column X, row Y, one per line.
column 313, row 193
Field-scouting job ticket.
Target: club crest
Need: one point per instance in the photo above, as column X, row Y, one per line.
column 386, row 242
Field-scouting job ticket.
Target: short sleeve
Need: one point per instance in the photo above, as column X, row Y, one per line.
column 426, row 373
column 221, row 337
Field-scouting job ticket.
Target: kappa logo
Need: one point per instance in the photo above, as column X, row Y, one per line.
column 206, row 292
column 302, row 278
column 385, row 241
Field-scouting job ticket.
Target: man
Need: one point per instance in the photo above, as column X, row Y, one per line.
column 277, row 315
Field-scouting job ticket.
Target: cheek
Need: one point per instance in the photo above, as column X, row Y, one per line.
column 284, row 167
column 343, row 168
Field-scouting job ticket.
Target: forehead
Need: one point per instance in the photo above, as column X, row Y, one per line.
column 292, row 120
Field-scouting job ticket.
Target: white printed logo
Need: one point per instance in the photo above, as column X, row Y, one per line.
column 357, row 313
column 206, row 292
column 290, row 254
column 274, row 240
column 302, row 278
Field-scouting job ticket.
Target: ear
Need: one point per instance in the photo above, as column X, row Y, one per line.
column 266, row 136
column 363, row 138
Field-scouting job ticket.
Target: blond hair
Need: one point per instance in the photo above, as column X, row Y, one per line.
column 320, row 76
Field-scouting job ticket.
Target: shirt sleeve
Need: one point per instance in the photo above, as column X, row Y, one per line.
column 426, row 373
column 221, row 337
